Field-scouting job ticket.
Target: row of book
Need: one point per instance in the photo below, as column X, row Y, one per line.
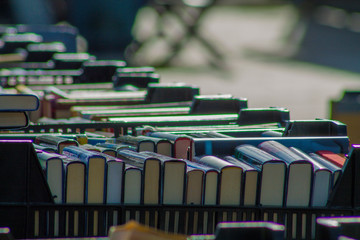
column 145, row 170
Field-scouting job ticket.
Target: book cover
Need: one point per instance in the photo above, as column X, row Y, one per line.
column 95, row 172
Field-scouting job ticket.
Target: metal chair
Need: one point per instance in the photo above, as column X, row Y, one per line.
column 189, row 14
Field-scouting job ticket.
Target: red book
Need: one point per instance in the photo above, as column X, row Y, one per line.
column 332, row 157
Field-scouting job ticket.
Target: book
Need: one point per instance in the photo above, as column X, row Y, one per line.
column 335, row 170
column 230, row 130
column 250, row 181
column 114, row 179
column 13, row 120
column 173, row 179
column 182, row 144
column 18, row 102
column 151, row 171
column 105, row 113
column 194, row 186
column 132, row 187
column 57, row 103
column 114, row 171
column 95, row 172
column 322, row 180
column 299, row 174
column 58, row 141
column 75, row 181
column 332, row 157
column 162, row 145
column 140, row 143
column 109, row 146
column 53, row 167
column 230, row 180
column 210, row 186
column 273, row 173
column 45, row 147
column 205, row 119
column 79, row 110
column 22, row 179
column 210, row 134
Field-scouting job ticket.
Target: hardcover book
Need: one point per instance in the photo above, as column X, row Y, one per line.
column 173, row 181
column 322, row 180
column 210, row 186
column 250, row 181
column 59, row 142
column 230, row 181
column 299, row 174
column 18, row 102
column 182, row 144
column 273, row 173
column 95, row 172
column 151, row 171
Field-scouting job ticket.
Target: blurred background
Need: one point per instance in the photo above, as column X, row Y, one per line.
column 300, row 54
